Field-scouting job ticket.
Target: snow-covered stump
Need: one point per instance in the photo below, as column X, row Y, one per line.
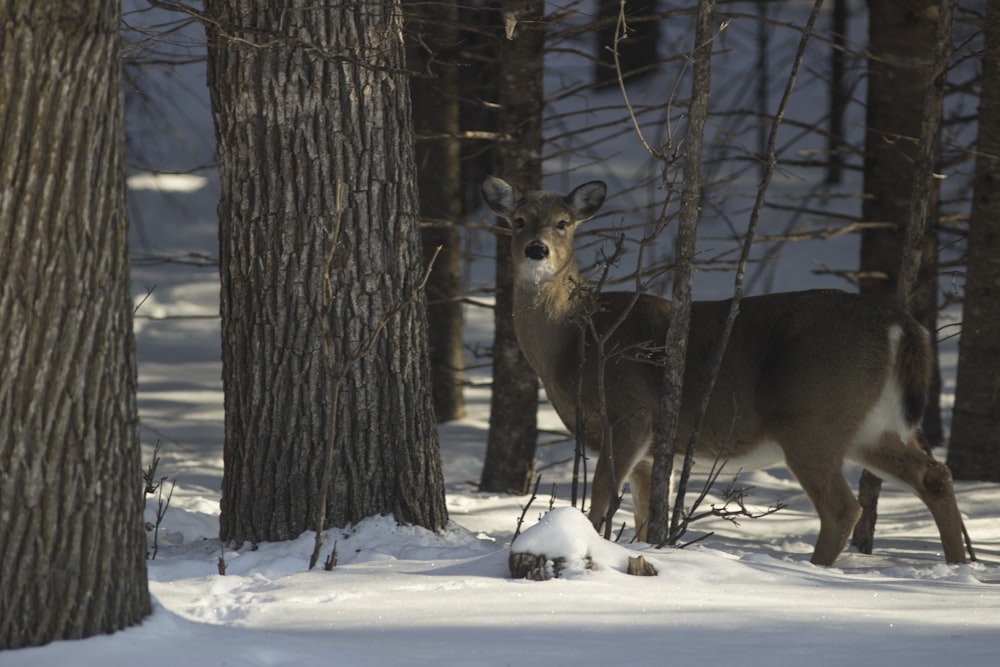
column 564, row 543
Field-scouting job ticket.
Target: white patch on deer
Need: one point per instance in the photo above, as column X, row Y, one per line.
column 535, row 271
column 887, row 413
column 765, row 454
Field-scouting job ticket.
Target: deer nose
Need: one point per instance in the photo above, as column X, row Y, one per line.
column 536, row 250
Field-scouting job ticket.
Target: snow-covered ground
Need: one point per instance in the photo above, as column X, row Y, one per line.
column 402, row 596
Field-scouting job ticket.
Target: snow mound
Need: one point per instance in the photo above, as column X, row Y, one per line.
column 571, row 547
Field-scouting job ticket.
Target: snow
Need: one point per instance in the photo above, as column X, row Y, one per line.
column 406, row 596
column 400, row 595
column 565, row 533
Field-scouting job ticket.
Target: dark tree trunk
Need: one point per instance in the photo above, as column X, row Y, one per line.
column 974, row 449
column 72, row 545
column 900, row 70
column 319, row 253
column 839, row 95
column 510, row 449
column 481, row 31
column 432, row 34
column 637, row 51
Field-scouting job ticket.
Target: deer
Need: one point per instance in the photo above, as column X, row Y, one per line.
column 812, row 379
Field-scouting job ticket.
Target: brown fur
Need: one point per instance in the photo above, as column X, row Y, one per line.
column 811, row 372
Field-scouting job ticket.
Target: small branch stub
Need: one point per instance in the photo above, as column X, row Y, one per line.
column 510, row 25
column 539, row 567
column 638, row 566
column 564, row 543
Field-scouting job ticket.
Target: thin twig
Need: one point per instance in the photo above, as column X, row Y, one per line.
column 161, row 511
column 525, row 508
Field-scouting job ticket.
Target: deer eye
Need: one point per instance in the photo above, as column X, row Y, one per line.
column 562, row 224
column 519, row 223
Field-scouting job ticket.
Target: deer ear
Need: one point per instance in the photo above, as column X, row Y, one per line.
column 500, row 196
column 586, row 200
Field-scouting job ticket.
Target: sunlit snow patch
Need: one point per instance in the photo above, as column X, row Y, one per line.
column 166, row 182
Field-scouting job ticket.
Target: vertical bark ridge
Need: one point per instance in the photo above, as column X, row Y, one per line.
column 69, row 457
column 296, row 116
column 974, row 447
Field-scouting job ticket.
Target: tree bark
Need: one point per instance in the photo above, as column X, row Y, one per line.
column 839, row 94
column 974, row 448
column 661, row 520
column 312, row 112
column 480, row 35
column 510, row 448
column 433, row 41
column 900, row 71
column 72, row 545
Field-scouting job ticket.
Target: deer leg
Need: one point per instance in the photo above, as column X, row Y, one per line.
column 603, row 490
column 631, row 442
column 835, row 504
column 640, row 481
column 929, row 479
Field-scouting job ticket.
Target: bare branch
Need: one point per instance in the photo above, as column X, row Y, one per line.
column 526, row 507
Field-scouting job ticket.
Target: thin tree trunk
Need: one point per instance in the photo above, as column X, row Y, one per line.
column 72, row 545
column 668, row 423
column 312, row 111
column 900, row 71
column 974, row 448
column 510, row 449
column 839, row 95
column 433, row 41
column 763, row 82
column 479, row 75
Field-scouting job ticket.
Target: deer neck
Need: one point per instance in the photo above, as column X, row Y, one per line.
column 546, row 319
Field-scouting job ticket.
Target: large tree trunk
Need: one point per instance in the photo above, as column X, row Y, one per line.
column 319, row 249
column 510, row 449
column 900, row 69
column 974, row 448
column 72, row 546
column 432, row 33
